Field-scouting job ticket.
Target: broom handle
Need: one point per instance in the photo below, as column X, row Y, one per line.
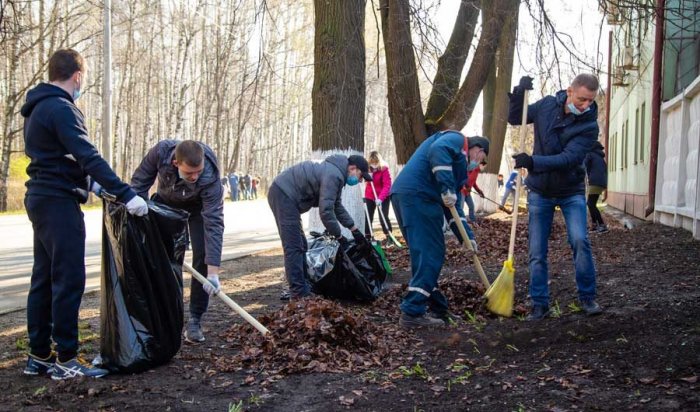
column 518, row 181
column 227, row 300
column 468, row 245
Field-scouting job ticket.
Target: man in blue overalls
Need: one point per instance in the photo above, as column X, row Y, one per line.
column 422, row 194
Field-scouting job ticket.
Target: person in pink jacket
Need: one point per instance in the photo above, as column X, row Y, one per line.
column 381, row 177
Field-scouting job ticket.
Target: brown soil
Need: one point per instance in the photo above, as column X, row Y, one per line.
column 642, row 353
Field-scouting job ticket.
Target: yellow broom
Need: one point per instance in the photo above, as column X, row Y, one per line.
column 502, row 291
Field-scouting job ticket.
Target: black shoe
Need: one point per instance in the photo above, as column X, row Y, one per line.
column 448, row 317
column 591, row 307
column 193, row 333
column 602, row 229
column 411, row 322
column 538, row 312
column 285, row 295
column 38, row 366
column 594, row 228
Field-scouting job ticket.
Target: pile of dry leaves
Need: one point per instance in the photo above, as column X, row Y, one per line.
column 314, row 335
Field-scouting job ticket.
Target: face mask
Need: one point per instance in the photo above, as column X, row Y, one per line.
column 573, row 109
column 76, row 95
column 472, row 165
column 352, row 180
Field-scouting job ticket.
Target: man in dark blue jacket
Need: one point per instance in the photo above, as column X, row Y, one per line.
column 188, row 179
column 306, row 185
column 233, row 185
column 64, row 166
column 565, row 130
column 421, row 195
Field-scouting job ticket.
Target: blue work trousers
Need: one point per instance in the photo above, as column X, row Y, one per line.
column 421, row 222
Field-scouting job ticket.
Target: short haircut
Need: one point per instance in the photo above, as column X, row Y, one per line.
column 64, row 63
column 588, row 81
column 189, row 152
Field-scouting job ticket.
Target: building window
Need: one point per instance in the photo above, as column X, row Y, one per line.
column 642, row 133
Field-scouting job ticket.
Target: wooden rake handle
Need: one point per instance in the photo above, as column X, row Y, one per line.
column 228, row 301
column 468, row 245
column 518, row 181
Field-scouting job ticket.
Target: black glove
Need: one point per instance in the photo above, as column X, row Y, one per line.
column 523, row 160
column 525, row 83
column 343, row 242
column 359, row 237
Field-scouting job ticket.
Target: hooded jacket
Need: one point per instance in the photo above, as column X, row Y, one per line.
column 310, row 184
column 561, row 144
column 595, row 166
column 62, row 157
column 381, row 179
column 205, row 196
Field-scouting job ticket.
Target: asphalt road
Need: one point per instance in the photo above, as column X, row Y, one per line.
column 250, row 227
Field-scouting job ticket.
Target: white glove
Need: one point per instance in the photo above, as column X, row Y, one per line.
column 137, row 206
column 212, row 286
column 474, row 246
column 378, row 202
column 449, row 199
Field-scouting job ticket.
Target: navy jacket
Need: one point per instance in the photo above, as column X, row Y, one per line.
column 561, row 144
column 62, row 157
column 595, row 166
column 205, row 196
column 311, row 184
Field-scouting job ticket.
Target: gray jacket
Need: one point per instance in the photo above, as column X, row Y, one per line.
column 206, row 196
column 310, row 184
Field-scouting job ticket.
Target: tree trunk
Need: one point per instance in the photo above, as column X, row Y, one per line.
column 338, row 96
column 451, row 63
column 404, row 101
column 503, row 70
column 461, row 108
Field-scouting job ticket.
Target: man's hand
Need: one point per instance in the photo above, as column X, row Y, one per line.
column 481, row 193
column 525, row 83
column 137, row 206
column 378, row 202
column 474, row 245
column 449, row 199
column 523, row 160
column 212, row 285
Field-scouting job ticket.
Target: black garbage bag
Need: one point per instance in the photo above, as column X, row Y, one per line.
column 357, row 272
column 141, row 311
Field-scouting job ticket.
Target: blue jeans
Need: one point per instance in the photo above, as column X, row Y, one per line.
column 541, row 214
column 472, row 210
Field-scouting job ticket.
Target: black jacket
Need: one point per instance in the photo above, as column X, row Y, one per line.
column 561, row 143
column 62, row 157
column 596, row 168
column 310, row 184
column 206, row 196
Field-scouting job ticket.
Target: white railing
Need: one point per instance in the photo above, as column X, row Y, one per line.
column 677, row 184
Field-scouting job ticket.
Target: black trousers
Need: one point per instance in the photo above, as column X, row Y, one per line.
column 371, row 206
column 58, row 275
column 291, row 230
column 596, row 217
column 199, row 299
